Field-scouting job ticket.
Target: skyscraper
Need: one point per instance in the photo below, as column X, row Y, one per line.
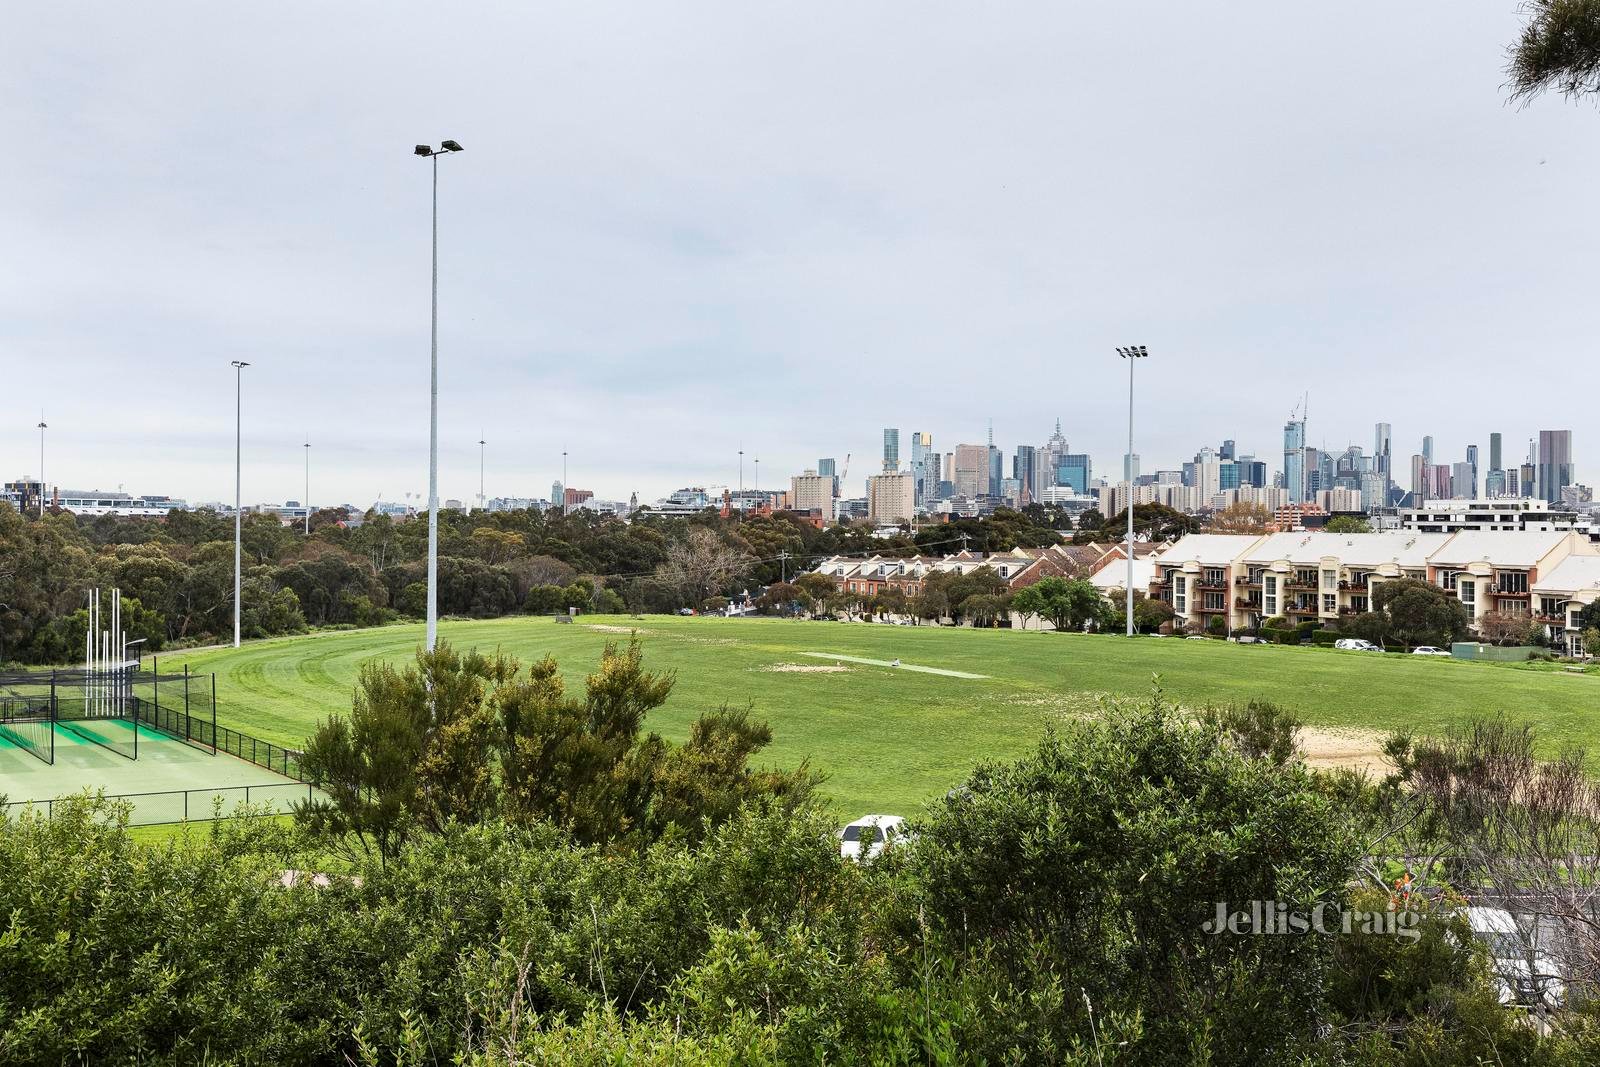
column 970, row 470
column 1130, row 467
column 1294, row 460
column 1024, row 469
column 1494, row 452
column 828, row 467
column 1472, row 461
column 1427, row 451
column 891, row 449
column 1383, row 453
column 1228, row 449
column 921, row 452
column 1555, row 464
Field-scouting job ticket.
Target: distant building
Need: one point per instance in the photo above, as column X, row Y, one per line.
column 1555, row 464
column 1503, row 514
column 971, row 470
column 100, row 502
column 891, row 498
column 812, row 491
column 891, row 449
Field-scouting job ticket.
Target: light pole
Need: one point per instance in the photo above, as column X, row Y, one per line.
column 42, row 428
column 307, row 500
column 1133, row 353
column 238, row 525
column 562, row 503
column 433, row 405
column 480, row 473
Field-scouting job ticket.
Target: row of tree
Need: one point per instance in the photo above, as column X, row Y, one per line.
column 176, row 572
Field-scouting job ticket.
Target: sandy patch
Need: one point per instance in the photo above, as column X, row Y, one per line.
column 602, row 628
column 806, row 668
column 893, row 665
column 1360, row 750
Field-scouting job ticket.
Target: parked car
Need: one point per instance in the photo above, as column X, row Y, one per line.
column 1356, row 644
column 884, row 830
column 1196, row 637
column 1428, row 650
column 1522, row 973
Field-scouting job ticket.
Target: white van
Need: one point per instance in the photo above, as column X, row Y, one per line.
column 881, row 829
column 1522, row 973
column 1356, row 644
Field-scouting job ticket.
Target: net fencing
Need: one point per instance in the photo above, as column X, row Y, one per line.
column 186, row 805
column 117, row 735
column 34, row 735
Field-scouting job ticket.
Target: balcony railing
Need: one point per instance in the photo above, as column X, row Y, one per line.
column 1498, row 591
column 1207, row 584
column 1248, row 603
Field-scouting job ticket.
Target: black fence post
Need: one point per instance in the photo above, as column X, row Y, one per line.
column 53, row 715
column 213, row 713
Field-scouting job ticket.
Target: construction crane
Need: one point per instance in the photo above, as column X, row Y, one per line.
column 844, row 474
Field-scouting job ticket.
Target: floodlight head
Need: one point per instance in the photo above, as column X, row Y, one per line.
column 423, row 150
column 239, row 364
column 1143, row 351
column 450, row 146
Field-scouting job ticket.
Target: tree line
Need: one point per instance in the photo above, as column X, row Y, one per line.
column 176, row 572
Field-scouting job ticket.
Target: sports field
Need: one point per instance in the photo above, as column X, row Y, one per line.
column 890, row 737
column 169, row 781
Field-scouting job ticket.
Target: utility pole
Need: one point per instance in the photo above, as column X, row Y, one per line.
column 433, row 404
column 308, row 487
column 42, row 428
column 238, row 511
column 1132, row 354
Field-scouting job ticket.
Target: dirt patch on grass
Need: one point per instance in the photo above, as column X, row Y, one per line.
column 1360, row 750
column 602, row 628
column 806, row 668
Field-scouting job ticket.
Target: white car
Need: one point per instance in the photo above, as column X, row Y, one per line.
column 1428, row 650
column 1356, row 644
column 881, row 829
column 1522, row 973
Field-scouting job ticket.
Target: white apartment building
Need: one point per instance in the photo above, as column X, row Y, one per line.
column 1502, row 513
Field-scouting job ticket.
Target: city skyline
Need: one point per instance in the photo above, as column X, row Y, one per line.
column 630, row 260
column 990, row 456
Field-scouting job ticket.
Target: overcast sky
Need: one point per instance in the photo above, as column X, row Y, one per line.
column 679, row 229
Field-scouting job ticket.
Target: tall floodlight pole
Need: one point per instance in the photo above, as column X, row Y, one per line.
column 307, row 500
column 238, row 525
column 480, row 473
column 433, row 405
column 1132, row 354
column 562, row 503
column 42, row 428
column 741, row 470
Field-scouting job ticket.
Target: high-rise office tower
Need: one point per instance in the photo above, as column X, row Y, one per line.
column 1383, row 453
column 1025, row 470
column 1427, row 451
column 1555, row 464
column 1472, row 461
column 970, row 470
column 891, row 449
column 997, row 469
column 1294, row 460
column 1228, row 450
column 830, row 468
column 1463, row 482
column 1494, row 452
column 921, row 452
column 1130, row 467
column 1418, row 465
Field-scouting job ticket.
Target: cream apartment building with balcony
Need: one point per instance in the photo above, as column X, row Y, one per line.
column 1321, row 577
column 1560, row 594
column 1497, row 571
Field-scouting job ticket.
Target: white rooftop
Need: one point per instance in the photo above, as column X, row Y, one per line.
column 1571, row 575
column 1512, row 548
column 1215, row 549
column 1405, row 548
